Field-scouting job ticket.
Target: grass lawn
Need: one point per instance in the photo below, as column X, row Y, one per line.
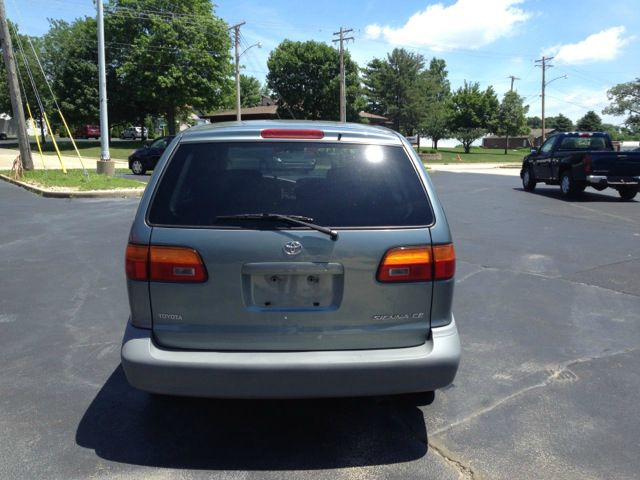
column 75, row 180
column 477, row 155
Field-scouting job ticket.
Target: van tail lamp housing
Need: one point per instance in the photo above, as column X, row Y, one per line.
column 587, row 163
column 164, row 264
column 417, row 264
column 292, row 133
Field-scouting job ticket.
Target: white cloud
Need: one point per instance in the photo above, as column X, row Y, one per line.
column 601, row 46
column 465, row 24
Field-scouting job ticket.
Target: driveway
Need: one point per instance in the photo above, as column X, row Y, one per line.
column 548, row 306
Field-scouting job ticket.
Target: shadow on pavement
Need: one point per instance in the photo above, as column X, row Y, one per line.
column 585, row 197
column 129, row 426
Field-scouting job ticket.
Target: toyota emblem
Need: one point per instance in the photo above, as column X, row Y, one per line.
column 292, row 248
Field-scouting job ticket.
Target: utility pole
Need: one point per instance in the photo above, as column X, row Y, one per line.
column 343, row 87
column 104, row 165
column 236, row 31
column 543, row 63
column 506, row 145
column 513, row 79
column 14, row 91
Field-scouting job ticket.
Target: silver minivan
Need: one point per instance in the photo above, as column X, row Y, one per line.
column 246, row 281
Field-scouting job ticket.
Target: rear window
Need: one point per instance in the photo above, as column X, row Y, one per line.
column 338, row 185
column 585, row 143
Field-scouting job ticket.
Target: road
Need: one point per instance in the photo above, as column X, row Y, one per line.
column 548, row 306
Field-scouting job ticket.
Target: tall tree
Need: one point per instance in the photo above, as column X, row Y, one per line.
column 591, row 122
column 625, row 100
column 511, row 120
column 395, row 88
column 534, row 122
column 560, row 123
column 304, row 76
column 472, row 113
column 435, row 122
column 70, row 60
column 168, row 56
column 250, row 88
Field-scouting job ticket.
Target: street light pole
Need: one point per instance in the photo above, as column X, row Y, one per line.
column 104, row 165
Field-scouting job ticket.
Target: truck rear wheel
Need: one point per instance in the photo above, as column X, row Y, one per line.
column 628, row 192
column 568, row 187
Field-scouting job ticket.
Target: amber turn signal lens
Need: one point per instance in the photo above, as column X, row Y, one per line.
column 176, row 264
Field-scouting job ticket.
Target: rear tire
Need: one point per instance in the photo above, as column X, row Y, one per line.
column 528, row 180
column 628, row 193
column 137, row 168
column 568, row 187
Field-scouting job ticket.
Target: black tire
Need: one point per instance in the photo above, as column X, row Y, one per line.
column 137, row 167
column 627, row 193
column 528, row 180
column 568, row 187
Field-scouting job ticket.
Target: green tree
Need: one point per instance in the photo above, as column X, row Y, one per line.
column 250, row 88
column 166, row 57
column 435, row 121
column 534, row 122
column 395, row 88
column 560, row 123
column 70, row 58
column 304, row 76
column 472, row 113
column 625, row 100
column 511, row 120
column 591, row 122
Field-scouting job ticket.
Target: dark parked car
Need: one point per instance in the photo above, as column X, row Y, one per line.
column 146, row 157
column 576, row 160
column 329, row 281
column 88, row 131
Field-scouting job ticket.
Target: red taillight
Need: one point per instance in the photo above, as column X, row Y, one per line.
column 587, row 162
column 290, row 133
column 445, row 261
column 417, row 264
column 136, row 262
column 164, row 264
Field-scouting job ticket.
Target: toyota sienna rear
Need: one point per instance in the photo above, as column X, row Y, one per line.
column 246, row 281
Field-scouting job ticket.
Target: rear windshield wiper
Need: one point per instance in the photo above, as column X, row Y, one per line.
column 294, row 219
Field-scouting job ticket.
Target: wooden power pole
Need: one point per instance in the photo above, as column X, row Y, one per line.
column 14, row 90
column 544, row 65
column 343, row 88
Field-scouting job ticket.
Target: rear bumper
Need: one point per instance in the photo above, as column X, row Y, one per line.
column 604, row 180
column 291, row 374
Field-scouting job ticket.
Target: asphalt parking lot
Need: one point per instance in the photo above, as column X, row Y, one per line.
column 547, row 303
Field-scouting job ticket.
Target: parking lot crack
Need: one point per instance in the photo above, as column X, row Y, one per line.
column 465, row 472
column 558, row 374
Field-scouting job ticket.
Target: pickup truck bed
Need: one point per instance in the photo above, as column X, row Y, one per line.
column 576, row 160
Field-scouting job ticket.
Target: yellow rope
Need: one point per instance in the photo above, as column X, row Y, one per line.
column 35, row 132
column 54, row 142
column 71, row 138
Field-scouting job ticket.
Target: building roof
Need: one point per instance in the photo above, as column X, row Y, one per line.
column 259, row 110
column 371, row 116
column 537, row 132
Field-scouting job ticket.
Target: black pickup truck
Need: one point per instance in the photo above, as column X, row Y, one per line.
column 576, row 160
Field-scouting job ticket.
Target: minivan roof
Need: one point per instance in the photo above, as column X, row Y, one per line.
column 333, row 131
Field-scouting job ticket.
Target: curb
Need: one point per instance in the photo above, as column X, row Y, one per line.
column 117, row 193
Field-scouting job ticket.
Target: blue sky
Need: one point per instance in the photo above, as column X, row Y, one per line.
column 594, row 43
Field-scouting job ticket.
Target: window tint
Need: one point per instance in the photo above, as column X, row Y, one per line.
column 338, row 185
column 546, row 147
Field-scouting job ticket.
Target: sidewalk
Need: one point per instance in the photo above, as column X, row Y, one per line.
column 51, row 162
column 509, row 169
